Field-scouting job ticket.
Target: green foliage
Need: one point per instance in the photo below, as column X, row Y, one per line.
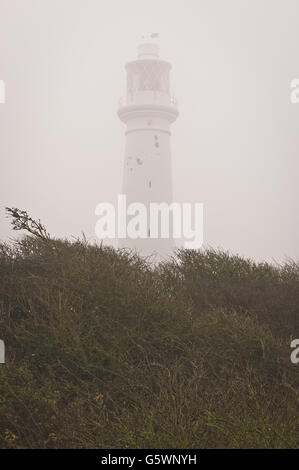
column 104, row 350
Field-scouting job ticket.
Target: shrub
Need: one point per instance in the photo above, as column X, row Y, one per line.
column 105, row 350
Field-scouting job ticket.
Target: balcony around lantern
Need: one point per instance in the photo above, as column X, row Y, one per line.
column 148, row 103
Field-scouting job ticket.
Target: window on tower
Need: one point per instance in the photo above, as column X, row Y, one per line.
column 148, row 75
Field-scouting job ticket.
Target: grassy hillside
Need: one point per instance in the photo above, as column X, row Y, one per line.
column 103, row 350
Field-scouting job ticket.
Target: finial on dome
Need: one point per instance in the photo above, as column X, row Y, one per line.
column 148, row 51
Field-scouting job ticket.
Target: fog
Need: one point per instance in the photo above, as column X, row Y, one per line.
column 234, row 146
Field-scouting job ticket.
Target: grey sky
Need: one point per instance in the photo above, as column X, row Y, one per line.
column 235, row 144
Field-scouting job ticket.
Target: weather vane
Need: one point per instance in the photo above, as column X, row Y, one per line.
column 150, row 36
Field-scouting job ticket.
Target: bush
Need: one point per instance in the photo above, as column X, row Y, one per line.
column 105, row 350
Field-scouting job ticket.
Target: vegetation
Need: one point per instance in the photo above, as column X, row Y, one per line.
column 105, row 350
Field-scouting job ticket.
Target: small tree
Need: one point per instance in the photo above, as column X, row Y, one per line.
column 22, row 221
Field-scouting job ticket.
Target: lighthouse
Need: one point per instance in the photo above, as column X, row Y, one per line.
column 148, row 110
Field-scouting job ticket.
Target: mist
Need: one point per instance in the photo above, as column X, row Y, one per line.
column 234, row 145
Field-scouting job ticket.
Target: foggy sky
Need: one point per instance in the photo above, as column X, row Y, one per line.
column 234, row 146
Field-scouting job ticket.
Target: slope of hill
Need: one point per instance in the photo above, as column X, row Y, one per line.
column 104, row 350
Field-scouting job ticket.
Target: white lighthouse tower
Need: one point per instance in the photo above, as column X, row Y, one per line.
column 148, row 111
